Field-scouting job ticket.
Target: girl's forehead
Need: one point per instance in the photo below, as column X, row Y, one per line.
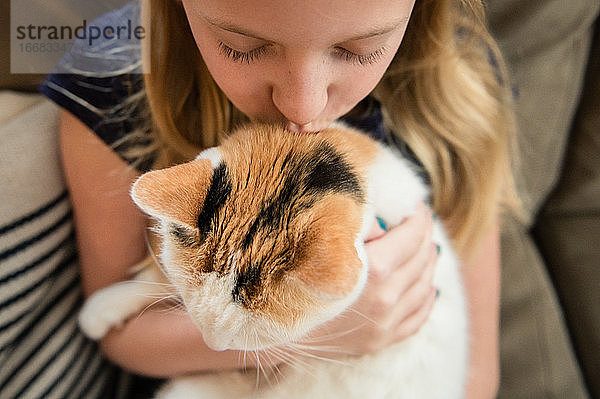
column 276, row 20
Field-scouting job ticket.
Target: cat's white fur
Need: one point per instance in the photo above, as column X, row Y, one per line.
column 430, row 364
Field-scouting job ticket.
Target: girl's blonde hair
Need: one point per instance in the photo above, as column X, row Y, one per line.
column 445, row 94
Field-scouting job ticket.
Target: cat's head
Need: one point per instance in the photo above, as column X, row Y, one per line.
column 260, row 236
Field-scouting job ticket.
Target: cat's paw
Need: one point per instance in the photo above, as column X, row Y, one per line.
column 113, row 305
column 99, row 314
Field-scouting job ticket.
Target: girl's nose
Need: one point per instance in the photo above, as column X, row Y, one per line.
column 301, row 97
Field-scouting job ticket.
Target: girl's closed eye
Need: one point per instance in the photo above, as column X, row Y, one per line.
column 362, row 59
column 242, row 56
column 338, row 51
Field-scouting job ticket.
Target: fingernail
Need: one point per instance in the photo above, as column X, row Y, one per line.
column 381, row 223
column 437, row 293
column 438, row 248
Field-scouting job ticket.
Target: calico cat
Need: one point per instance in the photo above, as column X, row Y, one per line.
column 262, row 241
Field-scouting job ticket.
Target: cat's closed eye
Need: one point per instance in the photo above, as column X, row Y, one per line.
column 185, row 237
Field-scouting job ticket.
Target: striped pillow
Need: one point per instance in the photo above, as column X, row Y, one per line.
column 42, row 351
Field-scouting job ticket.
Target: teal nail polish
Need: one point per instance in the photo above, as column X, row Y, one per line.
column 438, row 248
column 437, row 293
column 381, row 223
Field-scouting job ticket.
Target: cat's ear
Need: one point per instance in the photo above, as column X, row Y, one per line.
column 176, row 193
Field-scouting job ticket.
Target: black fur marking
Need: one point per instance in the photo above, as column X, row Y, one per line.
column 307, row 178
column 329, row 172
column 247, row 284
column 183, row 236
column 251, row 233
column 217, row 195
column 277, row 212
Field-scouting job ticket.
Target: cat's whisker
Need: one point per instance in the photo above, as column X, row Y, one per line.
column 296, row 362
column 174, row 305
column 160, row 295
column 157, row 301
column 172, row 309
column 318, row 337
column 318, row 348
column 277, row 359
column 305, row 351
column 259, row 369
column 259, row 366
column 364, row 316
column 290, row 360
column 168, row 286
column 146, row 308
column 270, row 356
column 163, row 283
column 161, row 298
column 245, row 351
column 277, row 371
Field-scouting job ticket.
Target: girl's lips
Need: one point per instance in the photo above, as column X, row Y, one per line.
column 308, row 128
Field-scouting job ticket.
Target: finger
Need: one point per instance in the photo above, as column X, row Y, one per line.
column 405, row 239
column 378, row 229
column 417, row 293
column 420, row 267
column 383, row 258
column 413, row 323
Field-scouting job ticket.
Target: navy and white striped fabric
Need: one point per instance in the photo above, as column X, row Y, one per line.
column 42, row 352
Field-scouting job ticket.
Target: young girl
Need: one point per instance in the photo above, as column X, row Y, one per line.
column 422, row 75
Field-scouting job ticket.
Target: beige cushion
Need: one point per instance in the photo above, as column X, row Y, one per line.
column 546, row 44
column 568, row 230
column 42, row 351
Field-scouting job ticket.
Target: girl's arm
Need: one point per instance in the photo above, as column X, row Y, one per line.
column 161, row 342
column 110, row 228
column 481, row 275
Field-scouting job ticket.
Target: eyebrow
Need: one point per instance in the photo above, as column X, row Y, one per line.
column 236, row 29
column 380, row 31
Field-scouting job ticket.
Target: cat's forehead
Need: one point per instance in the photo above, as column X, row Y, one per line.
column 266, row 161
column 264, row 182
column 282, row 168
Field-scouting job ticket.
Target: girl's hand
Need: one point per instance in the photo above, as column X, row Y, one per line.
column 399, row 294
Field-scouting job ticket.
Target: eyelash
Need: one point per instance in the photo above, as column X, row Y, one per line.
column 242, row 56
column 253, row 55
column 360, row 59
